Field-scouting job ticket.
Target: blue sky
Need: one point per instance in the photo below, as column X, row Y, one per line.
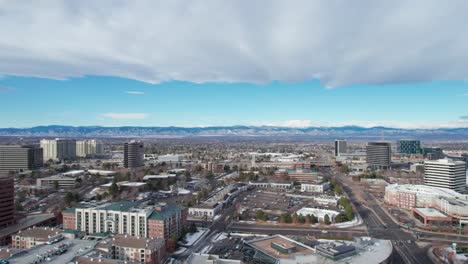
column 111, row 101
column 199, row 63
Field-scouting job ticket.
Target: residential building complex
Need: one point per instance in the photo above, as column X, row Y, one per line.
column 447, row 201
column 58, row 149
column 89, row 148
column 20, row 158
column 35, row 236
column 133, row 154
column 445, row 173
column 409, row 146
column 133, row 249
column 128, row 218
column 340, row 147
column 7, row 201
column 379, row 154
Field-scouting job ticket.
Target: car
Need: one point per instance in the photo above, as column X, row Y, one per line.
column 324, row 231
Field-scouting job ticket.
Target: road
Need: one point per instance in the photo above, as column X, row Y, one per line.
column 379, row 224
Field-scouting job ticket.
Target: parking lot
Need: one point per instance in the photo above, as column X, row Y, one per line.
column 273, row 203
column 229, row 248
column 77, row 247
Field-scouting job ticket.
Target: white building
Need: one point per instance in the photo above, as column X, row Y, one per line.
column 58, row 149
column 445, row 173
column 171, row 158
column 317, row 188
column 62, row 181
column 205, row 210
column 102, row 172
column 118, row 218
column 326, row 200
column 89, row 148
column 272, row 185
column 319, row 213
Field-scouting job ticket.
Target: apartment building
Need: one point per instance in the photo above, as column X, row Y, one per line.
column 89, row 148
column 410, row 197
column 35, row 236
column 133, row 249
column 128, row 217
column 58, row 149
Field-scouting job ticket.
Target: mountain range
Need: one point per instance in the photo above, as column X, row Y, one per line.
column 237, row 131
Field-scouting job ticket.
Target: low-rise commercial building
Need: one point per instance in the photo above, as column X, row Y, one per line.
column 315, row 187
column 272, row 185
column 171, row 158
column 275, row 249
column 319, row 213
column 61, row 181
column 205, row 210
column 299, row 175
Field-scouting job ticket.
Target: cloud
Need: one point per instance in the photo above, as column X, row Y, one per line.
column 135, row 92
column 461, row 122
column 338, row 42
column 124, row 116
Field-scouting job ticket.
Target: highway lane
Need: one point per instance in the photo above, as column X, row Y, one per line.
column 380, row 225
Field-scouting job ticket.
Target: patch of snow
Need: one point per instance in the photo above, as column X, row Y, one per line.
column 191, row 239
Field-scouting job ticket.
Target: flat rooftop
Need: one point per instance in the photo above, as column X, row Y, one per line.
column 265, row 245
column 430, row 212
column 427, row 190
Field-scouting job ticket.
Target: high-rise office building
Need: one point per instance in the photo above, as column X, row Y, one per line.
column 340, row 147
column 433, row 153
column 445, row 173
column 133, row 154
column 58, row 149
column 89, row 148
column 409, row 146
column 20, row 158
column 379, row 154
column 7, row 201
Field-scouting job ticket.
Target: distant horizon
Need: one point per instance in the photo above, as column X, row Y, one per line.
column 230, row 126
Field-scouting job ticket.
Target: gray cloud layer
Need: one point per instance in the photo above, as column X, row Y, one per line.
column 339, row 42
